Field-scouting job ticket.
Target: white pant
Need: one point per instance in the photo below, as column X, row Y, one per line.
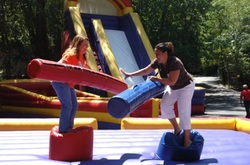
column 184, row 97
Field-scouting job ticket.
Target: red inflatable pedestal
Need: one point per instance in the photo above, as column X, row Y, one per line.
column 77, row 145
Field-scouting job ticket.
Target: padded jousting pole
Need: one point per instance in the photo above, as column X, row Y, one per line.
column 127, row 101
column 54, row 71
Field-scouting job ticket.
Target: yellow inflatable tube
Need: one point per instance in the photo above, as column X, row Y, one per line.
column 27, row 124
column 243, row 125
column 229, row 123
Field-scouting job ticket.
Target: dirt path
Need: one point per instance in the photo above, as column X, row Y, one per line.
column 220, row 101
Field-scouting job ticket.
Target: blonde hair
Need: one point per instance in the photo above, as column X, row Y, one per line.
column 75, row 43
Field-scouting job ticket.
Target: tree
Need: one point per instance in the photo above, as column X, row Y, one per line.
column 176, row 21
column 227, row 37
column 210, row 36
column 29, row 29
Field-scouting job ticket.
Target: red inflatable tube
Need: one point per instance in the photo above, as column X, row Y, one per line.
column 54, row 71
column 77, row 145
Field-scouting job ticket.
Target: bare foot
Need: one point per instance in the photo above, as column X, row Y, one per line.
column 177, row 132
column 187, row 144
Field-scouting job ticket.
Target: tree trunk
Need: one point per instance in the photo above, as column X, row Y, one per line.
column 41, row 38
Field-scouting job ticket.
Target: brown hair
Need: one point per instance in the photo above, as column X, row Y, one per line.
column 165, row 47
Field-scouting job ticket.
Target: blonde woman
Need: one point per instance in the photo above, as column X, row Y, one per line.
column 74, row 55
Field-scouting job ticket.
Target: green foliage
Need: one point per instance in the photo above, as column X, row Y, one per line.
column 55, row 26
column 210, row 36
column 179, row 22
column 28, row 29
column 227, row 34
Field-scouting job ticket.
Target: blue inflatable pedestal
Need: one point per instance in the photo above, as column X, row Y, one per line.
column 127, row 101
column 171, row 147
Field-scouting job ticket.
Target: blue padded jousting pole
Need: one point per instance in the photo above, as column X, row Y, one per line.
column 127, row 101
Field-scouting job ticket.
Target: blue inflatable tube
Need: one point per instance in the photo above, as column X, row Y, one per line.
column 171, row 147
column 127, row 101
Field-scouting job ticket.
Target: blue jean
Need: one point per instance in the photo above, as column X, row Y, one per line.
column 69, row 105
